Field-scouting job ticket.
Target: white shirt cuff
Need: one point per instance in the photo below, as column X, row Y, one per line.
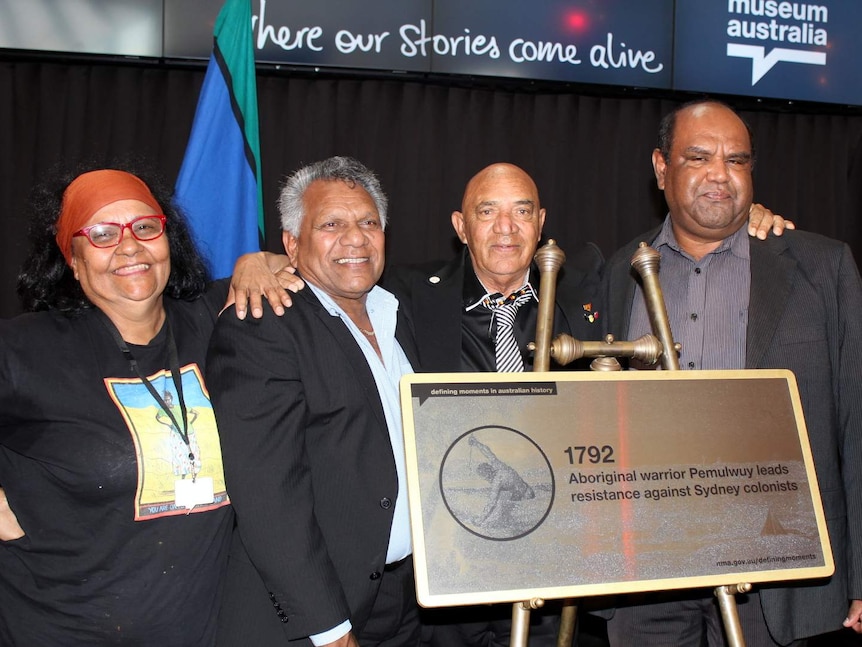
column 332, row 635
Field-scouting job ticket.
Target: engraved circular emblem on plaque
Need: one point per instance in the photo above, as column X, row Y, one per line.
column 497, row 483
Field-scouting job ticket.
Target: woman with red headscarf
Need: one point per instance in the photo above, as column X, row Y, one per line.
column 104, row 538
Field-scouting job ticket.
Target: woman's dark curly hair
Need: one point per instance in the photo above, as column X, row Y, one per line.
column 47, row 283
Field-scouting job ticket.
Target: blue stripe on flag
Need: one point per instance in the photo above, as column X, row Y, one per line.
column 217, row 185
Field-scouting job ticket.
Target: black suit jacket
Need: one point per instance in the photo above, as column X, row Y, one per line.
column 431, row 298
column 805, row 314
column 309, row 470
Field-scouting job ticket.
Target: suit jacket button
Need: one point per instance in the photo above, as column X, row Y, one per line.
column 374, row 576
column 285, row 619
column 386, row 503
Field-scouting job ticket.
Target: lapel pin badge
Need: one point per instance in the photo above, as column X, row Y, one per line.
column 589, row 314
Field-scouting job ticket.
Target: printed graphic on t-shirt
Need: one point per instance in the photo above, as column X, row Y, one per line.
column 161, row 450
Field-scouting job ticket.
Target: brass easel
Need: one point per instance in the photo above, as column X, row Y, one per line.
column 648, row 349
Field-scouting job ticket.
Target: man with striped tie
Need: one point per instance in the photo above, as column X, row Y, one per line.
column 478, row 312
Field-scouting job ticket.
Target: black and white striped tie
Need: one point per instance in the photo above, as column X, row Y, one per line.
column 508, row 355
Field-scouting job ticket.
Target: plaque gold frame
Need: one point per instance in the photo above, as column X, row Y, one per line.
column 732, row 495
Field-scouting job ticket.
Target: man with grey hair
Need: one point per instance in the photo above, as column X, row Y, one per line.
column 308, row 413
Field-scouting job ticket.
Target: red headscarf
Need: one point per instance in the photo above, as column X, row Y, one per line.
column 88, row 193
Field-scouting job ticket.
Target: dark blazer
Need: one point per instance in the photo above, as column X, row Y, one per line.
column 805, row 314
column 309, row 470
column 431, row 298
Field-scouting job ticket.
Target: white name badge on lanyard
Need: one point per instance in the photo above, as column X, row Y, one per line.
column 190, row 493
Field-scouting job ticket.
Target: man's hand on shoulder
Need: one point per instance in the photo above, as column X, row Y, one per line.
column 854, row 616
column 761, row 221
column 9, row 527
column 259, row 275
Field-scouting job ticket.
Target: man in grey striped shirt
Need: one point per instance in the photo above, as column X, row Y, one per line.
column 736, row 302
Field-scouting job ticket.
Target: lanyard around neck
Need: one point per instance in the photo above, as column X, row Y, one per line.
column 173, row 365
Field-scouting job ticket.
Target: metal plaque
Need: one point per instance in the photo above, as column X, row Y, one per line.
column 559, row 485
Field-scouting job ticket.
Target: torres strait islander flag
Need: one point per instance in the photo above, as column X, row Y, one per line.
column 219, row 186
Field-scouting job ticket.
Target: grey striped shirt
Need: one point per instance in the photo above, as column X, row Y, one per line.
column 707, row 301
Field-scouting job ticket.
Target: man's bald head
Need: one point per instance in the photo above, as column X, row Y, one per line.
column 501, row 223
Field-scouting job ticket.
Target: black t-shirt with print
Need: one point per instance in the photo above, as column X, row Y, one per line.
column 89, row 466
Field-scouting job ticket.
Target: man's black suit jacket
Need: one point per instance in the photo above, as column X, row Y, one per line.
column 309, row 470
column 431, row 298
column 805, row 314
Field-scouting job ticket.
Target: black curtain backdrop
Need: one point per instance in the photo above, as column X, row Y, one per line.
column 587, row 147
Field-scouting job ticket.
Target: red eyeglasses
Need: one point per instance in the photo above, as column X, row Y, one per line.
column 110, row 234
